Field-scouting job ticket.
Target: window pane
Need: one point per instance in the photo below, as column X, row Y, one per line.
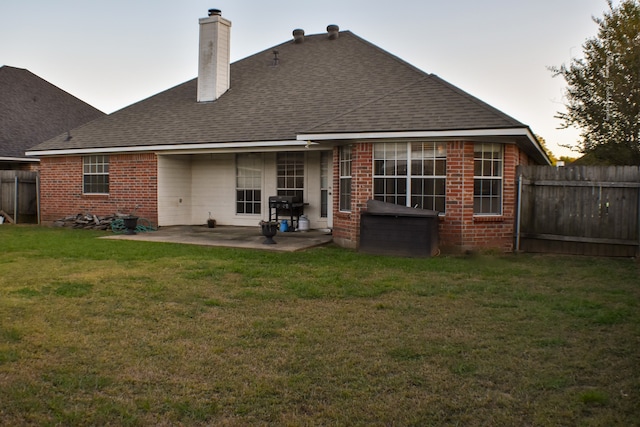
column 429, row 167
column 402, row 167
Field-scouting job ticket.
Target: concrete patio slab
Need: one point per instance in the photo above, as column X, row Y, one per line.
column 232, row 237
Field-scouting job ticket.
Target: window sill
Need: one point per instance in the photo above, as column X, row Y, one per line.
column 488, row 218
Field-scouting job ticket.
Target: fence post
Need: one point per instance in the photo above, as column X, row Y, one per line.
column 638, row 225
column 519, row 211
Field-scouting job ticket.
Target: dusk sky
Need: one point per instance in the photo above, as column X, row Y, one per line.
column 114, row 53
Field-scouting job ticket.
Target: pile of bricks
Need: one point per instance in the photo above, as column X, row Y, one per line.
column 87, row 221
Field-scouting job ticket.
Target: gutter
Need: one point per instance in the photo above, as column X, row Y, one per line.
column 193, row 147
column 18, row 159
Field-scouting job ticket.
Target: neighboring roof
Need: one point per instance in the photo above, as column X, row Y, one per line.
column 318, row 86
column 33, row 110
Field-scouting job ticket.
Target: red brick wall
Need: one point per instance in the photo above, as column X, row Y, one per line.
column 132, row 182
column 459, row 229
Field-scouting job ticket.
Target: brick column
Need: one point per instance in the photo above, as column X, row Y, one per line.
column 346, row 225
column 454, row 227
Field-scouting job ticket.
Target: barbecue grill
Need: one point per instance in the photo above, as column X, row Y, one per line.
column 286, row 206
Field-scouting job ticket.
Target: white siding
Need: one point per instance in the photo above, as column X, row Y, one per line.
column 174, row 190
column 214, row 189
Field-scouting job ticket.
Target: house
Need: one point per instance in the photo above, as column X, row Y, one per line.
column 32, row 111
column 329, row 118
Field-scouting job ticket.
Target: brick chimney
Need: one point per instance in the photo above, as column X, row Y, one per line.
column 214, row 56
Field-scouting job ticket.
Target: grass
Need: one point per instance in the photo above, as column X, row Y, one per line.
column 103, row 332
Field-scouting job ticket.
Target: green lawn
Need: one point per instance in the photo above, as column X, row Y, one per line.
column 96, row 332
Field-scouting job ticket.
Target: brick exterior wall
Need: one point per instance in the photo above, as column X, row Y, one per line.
column 459, row 229
column 132, row 182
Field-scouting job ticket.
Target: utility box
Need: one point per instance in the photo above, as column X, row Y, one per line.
column 389, row 229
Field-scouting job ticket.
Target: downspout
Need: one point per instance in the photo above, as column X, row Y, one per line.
column 15, row 201
column 463, row 221
column 38, row 197
column 518, row 212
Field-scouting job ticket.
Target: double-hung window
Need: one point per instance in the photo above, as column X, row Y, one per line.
column 290, row 175
column 428, row 175
column 487, row 179
column 95, row 174
column 248, row 184
column 411, row 174
column 325, row 161
column 345, row 178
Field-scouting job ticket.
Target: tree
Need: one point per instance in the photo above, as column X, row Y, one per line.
column 543, row 143
column 603, row 94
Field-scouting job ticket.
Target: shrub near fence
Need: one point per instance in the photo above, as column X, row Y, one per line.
column 18, row 195
column 583, row 210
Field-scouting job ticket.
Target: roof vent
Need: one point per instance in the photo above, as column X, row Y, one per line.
column 333, row 31
column 215, row 12
column 298, row 35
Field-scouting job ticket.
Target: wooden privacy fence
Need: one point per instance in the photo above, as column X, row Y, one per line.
column 19, row 196
column 584, row 210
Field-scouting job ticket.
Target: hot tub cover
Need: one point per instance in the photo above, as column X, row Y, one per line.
column 376, row 207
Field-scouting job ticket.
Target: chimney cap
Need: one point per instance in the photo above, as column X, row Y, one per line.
column 215, row 12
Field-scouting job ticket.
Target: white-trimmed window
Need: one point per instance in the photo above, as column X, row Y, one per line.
column 325, row 161
column 290, row 175
column 95, row 174
column 345, row 178
column 487, row 179
column 248, row 184
column 411, row 174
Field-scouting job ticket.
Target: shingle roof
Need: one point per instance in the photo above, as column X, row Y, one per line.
column 320, row 85
column 429, row 104
column 33, row 110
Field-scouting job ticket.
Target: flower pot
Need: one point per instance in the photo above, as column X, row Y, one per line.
column 211, row 223
column 130, row 223
column 269, row 229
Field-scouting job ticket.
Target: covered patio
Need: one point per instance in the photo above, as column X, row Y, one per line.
column 232, row 237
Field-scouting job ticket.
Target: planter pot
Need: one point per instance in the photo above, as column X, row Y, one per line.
column 211, row 223
column 269, row 229
column 130, row 223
